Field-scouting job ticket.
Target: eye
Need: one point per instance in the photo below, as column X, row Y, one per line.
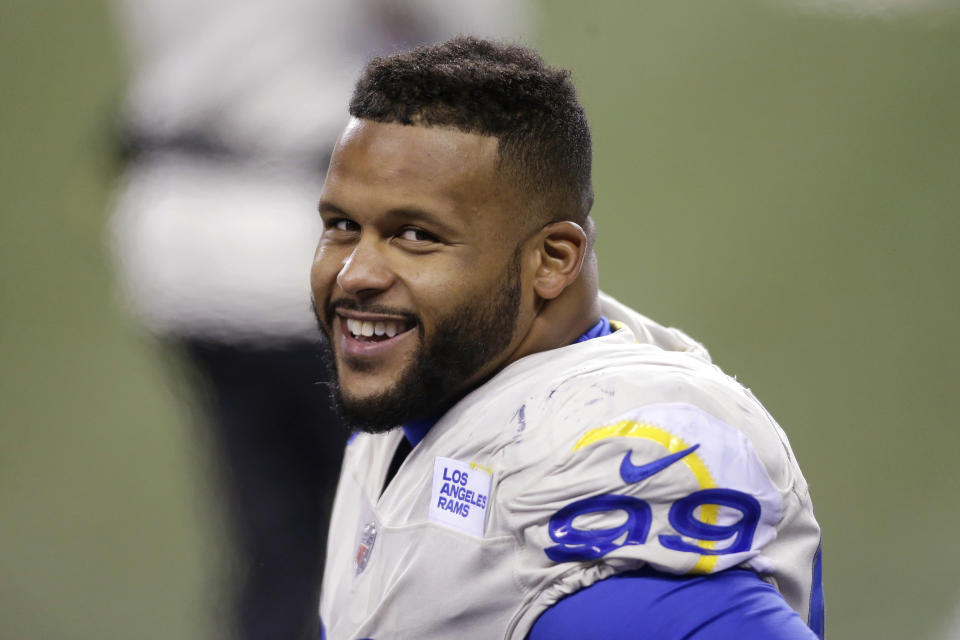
column 341, row 224
column 413, row 234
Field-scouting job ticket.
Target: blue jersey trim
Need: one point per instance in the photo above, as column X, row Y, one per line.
column 817, row 607
column 416, row 430
column 729, row 605
column 598, row 330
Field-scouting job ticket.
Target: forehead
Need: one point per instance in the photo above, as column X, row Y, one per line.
column 377, row 167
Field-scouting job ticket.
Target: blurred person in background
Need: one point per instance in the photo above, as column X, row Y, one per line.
column 231, row 112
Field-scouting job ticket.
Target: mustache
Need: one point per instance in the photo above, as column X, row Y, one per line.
column 349, row 304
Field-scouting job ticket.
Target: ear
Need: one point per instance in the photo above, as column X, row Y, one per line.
column 560, row 247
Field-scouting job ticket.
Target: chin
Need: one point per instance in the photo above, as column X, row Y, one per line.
column 369, row 383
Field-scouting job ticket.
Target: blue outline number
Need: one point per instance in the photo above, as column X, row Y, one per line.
column 684, row 522
column 590, row 544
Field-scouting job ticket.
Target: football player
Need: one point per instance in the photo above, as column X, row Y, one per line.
column 532, row 458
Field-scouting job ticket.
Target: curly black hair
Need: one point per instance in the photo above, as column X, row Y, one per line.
column 501, row 90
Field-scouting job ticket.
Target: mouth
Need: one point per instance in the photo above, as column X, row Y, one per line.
column 375, row 330
column 367, row 336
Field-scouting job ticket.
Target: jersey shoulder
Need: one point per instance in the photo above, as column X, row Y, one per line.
column 619, row 394
column 638, row 457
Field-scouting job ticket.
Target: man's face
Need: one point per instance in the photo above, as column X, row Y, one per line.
column 417, row 277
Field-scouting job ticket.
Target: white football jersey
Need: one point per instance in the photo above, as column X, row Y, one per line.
column 567, row 467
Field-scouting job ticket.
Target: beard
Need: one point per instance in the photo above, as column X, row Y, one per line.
column 462, row 343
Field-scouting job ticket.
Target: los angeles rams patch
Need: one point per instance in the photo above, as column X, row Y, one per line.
column 461, row 492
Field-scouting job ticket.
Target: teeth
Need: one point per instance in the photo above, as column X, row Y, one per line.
column 353, row 326
column 365, row 328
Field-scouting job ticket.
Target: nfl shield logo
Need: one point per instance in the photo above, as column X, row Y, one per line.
column 367, row 537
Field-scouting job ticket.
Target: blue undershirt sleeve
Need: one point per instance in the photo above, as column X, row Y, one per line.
column 730, row 605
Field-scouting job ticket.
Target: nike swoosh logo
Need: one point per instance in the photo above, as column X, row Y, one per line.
column 632, row 473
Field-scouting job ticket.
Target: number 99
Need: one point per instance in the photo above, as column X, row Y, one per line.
column 575, row 544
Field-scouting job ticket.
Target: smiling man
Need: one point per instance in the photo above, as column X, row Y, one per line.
column 532, row 459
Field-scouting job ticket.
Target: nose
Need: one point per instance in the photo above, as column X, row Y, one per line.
column 365, row 271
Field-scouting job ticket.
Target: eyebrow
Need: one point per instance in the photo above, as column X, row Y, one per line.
column 327, row 207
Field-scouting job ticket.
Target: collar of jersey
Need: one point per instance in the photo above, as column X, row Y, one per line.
column 416, row 430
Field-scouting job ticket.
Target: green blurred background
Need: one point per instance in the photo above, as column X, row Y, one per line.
column 782, row 184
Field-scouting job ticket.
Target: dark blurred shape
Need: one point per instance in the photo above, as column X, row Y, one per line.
column 274, row 429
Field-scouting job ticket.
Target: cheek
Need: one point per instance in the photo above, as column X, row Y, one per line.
column 323, row 271
column 434, row 292
column 440, row 294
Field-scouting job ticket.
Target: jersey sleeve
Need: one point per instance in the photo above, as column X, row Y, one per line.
column 686, row 478
column 729, row 605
